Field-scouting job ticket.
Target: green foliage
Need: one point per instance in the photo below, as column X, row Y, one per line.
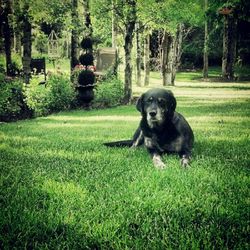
column 41, row 43
column 169, row 14
column 12, row 105
column 58, row 94
column 108, row 93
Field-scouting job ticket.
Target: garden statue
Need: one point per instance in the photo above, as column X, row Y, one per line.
column 86, row 77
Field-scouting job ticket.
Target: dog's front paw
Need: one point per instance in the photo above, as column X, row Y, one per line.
column 158, row 163
column 185, row 162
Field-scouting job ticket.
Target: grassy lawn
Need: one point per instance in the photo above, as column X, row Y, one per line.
column 60, row 188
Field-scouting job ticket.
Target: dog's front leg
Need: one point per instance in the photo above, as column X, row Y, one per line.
column 185, row 160
column 158, row 163
column 153, row 148
column 138, row 138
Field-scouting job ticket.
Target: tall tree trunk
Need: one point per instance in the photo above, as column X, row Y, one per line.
column 229, row 47
column 17, row 29
column 8, row 33
column 170, row 60
column 205, row 51
column 167, row 58
column 138, row 55
column 177, row 51
column 146, row 60
column 129, row 29
column 1, row 29
column 114, row 26
column 74, row 35
column 164, row 56
column 17, row 42
column 26, row 45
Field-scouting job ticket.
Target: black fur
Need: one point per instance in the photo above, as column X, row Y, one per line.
column 161, row 130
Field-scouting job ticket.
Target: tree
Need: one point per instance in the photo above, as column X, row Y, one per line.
column 27, row 43
column 7, row 32
column 231, row 13
column 205, row 51
column 138, row 55
column 229, row 47
column 114, row 25
column 126, row 10
column 146, row 59
column 74, row 35
column 17, row 28
column 170, row 16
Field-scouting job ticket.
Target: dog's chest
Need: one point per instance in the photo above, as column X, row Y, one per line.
column 166, row 141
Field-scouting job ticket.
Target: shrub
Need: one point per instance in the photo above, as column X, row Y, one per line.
column 58, row 94
column 108, row 93
column 12, row 104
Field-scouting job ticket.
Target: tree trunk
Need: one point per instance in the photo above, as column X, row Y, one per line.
column 74, row 35
column 8, row 33
column 229, row 47
column 114, row 26
column 138, row 55
column 26, row 44
column 129, row 29
column 170, row 60
column 128, row 68
column 17, row 29
column 164, row 56
column 146, row 60
column 177, row 51
column 167, row 58
column 17, row 42
column 205, row 51
column 1, row 29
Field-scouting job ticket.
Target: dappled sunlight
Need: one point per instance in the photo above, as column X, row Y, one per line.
column 68, row 197
column 95, row 118
column 64, row 189
column 22, row 139
column 221, row 120
column 208, row 90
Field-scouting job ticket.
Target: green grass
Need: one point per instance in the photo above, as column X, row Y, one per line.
column 60, row 188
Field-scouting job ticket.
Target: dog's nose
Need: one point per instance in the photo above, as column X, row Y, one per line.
column 152, row 113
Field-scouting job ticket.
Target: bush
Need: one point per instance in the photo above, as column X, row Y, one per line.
column 108, row 93
column 58, row 94
column 12, row 104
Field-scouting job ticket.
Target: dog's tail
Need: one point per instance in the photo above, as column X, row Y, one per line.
column 125, row 143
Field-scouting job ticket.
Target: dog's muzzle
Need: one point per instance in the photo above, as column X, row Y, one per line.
column 154, row 117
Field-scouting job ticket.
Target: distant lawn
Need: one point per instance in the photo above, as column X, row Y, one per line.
column 60, row 188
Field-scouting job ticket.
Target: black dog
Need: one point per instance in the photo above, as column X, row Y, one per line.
column 161, row 130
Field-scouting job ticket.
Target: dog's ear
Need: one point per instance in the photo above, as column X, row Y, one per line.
column 139, row 104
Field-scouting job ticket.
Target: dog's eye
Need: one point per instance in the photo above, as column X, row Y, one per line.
column 162, row 102
column 149, row 100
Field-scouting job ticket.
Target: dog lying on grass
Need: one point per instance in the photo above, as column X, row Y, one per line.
column 161, row 130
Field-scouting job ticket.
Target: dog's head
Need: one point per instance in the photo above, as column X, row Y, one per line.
column 156, row 105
